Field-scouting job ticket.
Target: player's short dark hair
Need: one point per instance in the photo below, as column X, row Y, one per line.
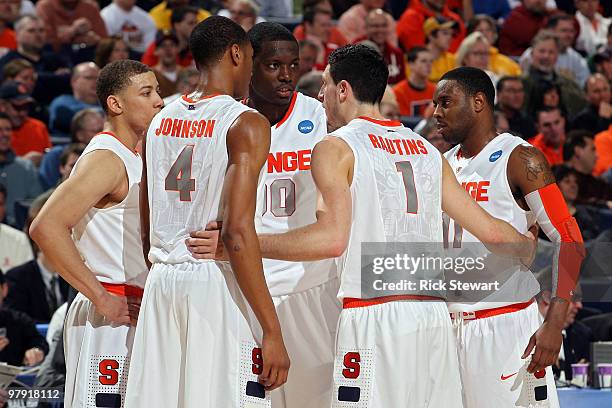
column 267, row 32
column 115, row 77
column 212, row 37
column 473, row 80
column 506, row 78
column 413, row 53
column 575, row 138
column 363, row 68
column 178, row 14
column 72, row 148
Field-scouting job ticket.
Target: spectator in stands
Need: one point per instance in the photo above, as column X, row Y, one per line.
column 439, row 33
column 569, row 62
column 64, row 107
column 69, row 22
column 603, row 146
column 109, row 50
column 415, row 93
column 388, row 105
column 551, row 137
column 335, row 36
column 162, row 13
column 30, row 136
column 187, row 83
column 53, row 74
column 474, row 52
column 593, row 27
column 510, row 99
column 499, row 64
column 579, row 154
column 166, row 71
column 243, row 12
column 310, row 84
column 15, row 246
column 577, row 336
column 276, row 8
column 353, row 22
column 521, row 26
column 602, row 63
column 497, row 9
column 184, row 19
column 501, row 123
column 377, row 27
column 21, row 71
column 544, row 57
column 84, row 126
column 25, row 7
column 22, row 344
column 596, row 117
column 69, row 154
column 409, row 26
column 308, row 57
column 548, row 95
column 317, row 24
column 8, row 41
column 18, row 175
column 125, row 19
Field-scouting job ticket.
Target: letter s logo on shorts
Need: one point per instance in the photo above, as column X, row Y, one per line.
column 495, row 155
column 305, row 126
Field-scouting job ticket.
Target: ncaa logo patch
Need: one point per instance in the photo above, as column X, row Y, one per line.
column 495, row 155
column 305, row 126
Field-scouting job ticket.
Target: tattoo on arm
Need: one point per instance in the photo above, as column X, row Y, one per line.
column 536, row 166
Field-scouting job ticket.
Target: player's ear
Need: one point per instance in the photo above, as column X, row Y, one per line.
column 342, row 90
column 479, row 102
column 114, row 105
column 236, row 54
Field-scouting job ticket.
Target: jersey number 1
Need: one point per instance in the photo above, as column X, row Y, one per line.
column 412, row 201
column 179, row 176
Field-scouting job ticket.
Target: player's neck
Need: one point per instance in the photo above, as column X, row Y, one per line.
column 363, row 109
column 214, row 82
column 274, row 113
column 476, row 142
column 124, row 133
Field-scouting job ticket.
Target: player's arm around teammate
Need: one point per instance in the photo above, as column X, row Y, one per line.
column 100, row 180
column 529, row 173
column 248, row 142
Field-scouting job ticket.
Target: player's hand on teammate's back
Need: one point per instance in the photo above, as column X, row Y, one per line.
column 33, row 356
column 134, row 308
column 114, row 308
column 275, row 362
column 547, row 343
column 205, row 244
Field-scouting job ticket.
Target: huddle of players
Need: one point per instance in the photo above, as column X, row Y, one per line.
column 209, row 330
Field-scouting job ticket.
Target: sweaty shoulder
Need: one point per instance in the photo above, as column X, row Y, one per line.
column 528, row 169
column 249, row 118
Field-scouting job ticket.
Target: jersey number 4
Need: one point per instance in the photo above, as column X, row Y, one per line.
column 179, row 176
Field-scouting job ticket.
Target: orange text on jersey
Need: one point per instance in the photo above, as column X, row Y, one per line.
column 398, row 146
column 279, row 162
column 478, row 190
column 184, row 128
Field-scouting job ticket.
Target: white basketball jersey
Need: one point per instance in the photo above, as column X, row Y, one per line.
column 109, row 238
column 186, row 165
column 396, row 192
column 484, row 177
column 287, row 197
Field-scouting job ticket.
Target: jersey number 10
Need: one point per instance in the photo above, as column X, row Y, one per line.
column 279, row 198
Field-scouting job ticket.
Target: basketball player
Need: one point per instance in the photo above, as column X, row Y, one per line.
column 304, row 292
column 393, row 351
column 511, row 180
column 98, row 204
column 194, row 344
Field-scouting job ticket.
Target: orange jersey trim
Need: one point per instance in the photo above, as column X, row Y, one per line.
column 381, row 122
column 289, row 111
column 121, row 289
column 496, row 311
column 349, row 303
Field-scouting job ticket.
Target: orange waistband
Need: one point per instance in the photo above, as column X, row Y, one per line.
column 349, row 303
column 122, row 289
column 496, row 311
